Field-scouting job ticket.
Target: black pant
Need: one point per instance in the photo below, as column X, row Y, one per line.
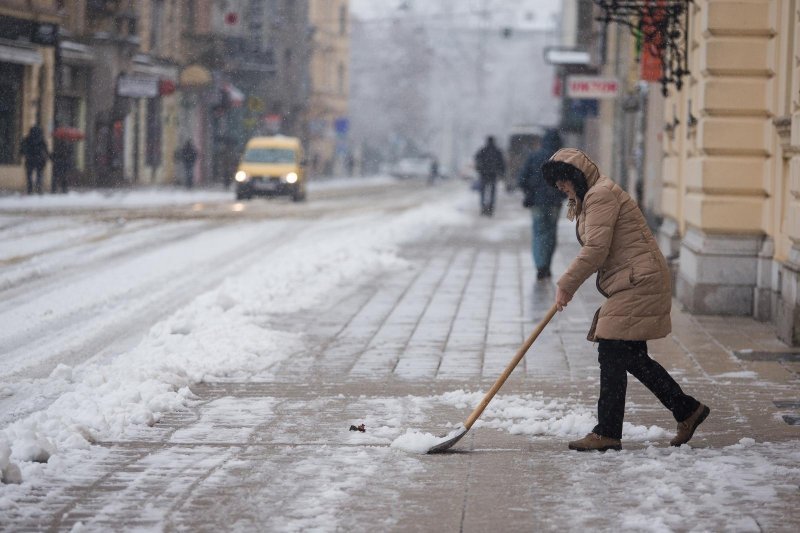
column 59, row 179
column 616, row 359
column 487, row 195
column 37, row 185
column 189, row 168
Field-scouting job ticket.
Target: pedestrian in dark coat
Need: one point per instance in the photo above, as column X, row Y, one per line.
column 34, row 149
column 633, row 275
column 63, row 153
column 544, row 202
column 188, row 155
column 489, row 164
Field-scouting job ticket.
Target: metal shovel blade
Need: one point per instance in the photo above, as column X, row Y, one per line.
column 447, row 441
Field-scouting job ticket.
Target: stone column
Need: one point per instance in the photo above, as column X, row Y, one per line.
column 725, row 117
column 717, row 273
column 787, row 319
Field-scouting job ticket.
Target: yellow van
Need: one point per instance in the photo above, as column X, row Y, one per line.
column 271, row 166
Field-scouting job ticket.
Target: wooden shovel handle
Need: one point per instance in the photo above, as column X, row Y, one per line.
column 510, row 368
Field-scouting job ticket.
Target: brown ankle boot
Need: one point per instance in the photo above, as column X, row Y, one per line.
column 687, row 427
column 594, row 442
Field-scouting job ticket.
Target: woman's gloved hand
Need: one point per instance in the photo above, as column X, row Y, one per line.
column 562, row 298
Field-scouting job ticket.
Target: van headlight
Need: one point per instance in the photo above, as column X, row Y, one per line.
column 291, row 177
column 241, row 176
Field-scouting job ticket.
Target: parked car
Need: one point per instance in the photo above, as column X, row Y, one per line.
column 271, row 166
column 412, row 167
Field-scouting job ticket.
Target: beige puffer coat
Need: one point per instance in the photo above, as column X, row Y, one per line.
column 617, row 244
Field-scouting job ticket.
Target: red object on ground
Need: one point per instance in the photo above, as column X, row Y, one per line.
column 66, row 133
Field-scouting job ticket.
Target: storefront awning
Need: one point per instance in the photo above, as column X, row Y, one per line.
column 195, row 76
column 19, row 53
column 146, row 65
column 72, row 52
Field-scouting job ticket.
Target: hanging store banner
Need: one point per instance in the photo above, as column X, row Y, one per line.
column 651, row 42
column 592, row 87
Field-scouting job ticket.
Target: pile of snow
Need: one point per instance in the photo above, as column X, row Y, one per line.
column 114, row 198
column 742, row 487
column 535, row 415
column 9, row 472
column 526, row 414
column 414, row 441
column 223, row 333
column 157, row 196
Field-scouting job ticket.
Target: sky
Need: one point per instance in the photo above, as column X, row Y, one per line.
column 438, row 76
column 529, row 14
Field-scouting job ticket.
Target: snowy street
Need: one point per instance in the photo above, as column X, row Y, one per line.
column 177, row 361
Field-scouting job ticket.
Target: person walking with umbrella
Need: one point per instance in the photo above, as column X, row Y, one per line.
column 34, row 149
column 633, row 275
column 63, row 157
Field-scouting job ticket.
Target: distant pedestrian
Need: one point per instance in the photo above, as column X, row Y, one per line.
column 634, row 277
column 544, row 202
column 490, row 165
column 63, row 153
column 434, row 172
column 188, row 155
column 34, row 149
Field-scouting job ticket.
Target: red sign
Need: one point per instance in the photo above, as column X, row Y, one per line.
column 650, row 68
column 591, row 87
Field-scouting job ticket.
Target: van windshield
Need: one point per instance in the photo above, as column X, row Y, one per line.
column 269, row 155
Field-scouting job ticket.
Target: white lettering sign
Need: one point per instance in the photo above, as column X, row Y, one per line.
column 591, row 87
column 137, row 87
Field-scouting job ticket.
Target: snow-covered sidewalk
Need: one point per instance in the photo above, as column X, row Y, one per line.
column 234, row 412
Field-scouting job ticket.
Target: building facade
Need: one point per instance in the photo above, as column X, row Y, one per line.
column 327, row 116
column 116, row 81
column 715, row 165
column 28, row 41
column 141, row 78
column 732, row 164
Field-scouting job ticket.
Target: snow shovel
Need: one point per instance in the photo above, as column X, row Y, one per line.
column 456, row 435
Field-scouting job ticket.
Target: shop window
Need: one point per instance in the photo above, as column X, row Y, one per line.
column 10, row 109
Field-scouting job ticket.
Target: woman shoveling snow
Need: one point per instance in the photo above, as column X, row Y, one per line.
column 634, row 276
